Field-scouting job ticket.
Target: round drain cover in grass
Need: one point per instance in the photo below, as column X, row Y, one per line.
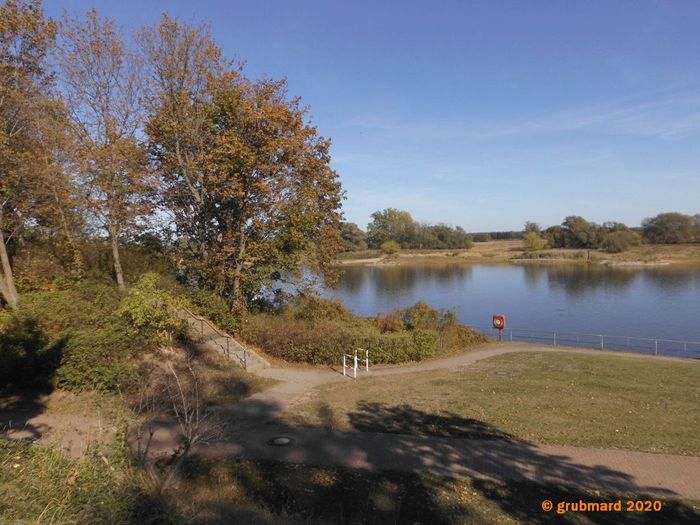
column 280, row 441
column 504, row 373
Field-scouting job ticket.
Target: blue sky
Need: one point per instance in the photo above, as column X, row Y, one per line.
column 480, row 114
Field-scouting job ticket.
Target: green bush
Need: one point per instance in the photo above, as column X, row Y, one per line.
column 390, row 247
column 74, row 337
column 215, row 308
column 84, row 304
column 620, row 241
column 319, row 331
column 26, row 356
column 100, row 359
column 312, row 308
column 420, row 315
column 151, row 311
column 533, row 242
column 325, row 342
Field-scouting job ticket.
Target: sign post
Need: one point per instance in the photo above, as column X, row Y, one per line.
column 499, row 323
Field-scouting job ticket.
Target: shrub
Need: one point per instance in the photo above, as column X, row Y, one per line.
column 74, row 337
column 420, row 315
column 532, row 242
column 313, row 308
column 151, row 312
column 325, row 342
column 98, row 359
column 457, row 336
column 215, row 308
column 26, row 357
column 390, row 323
column 390, row 247
column 322, row 337
column 620, row 241
column 481, row 237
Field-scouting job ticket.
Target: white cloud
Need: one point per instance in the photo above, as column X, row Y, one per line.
column 664, row 115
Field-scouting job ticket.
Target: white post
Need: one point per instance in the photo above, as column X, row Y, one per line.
column 367, row 360
column 354, row 369
column 555, row 339
column 343, row 364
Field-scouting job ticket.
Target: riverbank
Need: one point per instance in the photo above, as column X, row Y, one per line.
column 511, row 251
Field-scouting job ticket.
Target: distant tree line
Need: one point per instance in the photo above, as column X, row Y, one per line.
column 577, row 232
column 496, row 236
column 396, row 228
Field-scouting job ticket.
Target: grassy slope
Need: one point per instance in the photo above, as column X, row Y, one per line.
column 590, row 401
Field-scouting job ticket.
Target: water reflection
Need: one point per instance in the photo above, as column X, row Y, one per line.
column 669, row 278
column 353, row 279
column 644, row 302
column 401, row 278
column 580, row 279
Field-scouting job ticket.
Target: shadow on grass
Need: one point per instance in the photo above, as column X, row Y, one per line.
column 28, row 364
column 522, row 501
column 404, row 419
column 268, row 492
column 271, row 492
column 403, row 476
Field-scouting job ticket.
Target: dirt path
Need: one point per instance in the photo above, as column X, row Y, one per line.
column 297, row 384
column 73, row 434
column 253, row 423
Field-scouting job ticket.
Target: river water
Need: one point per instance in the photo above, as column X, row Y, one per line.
column 651, row 302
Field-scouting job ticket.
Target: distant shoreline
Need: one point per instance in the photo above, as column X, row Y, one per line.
column 510, row 251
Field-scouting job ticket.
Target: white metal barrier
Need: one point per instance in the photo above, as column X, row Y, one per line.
column 355, row 362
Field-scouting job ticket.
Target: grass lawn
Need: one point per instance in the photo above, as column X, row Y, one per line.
column 568, row 399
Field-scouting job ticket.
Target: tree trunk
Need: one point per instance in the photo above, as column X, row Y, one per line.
column 116, row 261
column 238, row 269
column 7, row 280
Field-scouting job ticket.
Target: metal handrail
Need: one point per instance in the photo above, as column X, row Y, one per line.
column 226, row 349
column 659, row 346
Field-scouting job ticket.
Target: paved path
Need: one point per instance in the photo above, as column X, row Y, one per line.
column 255, row 423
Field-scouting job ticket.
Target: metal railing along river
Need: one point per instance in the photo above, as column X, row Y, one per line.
column 643, row 345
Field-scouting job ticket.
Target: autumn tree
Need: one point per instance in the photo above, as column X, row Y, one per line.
column 276, row 200
column 101, row 85
column 26, row 37
column 246, row 178
column 57, row 210
column 181, row 62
